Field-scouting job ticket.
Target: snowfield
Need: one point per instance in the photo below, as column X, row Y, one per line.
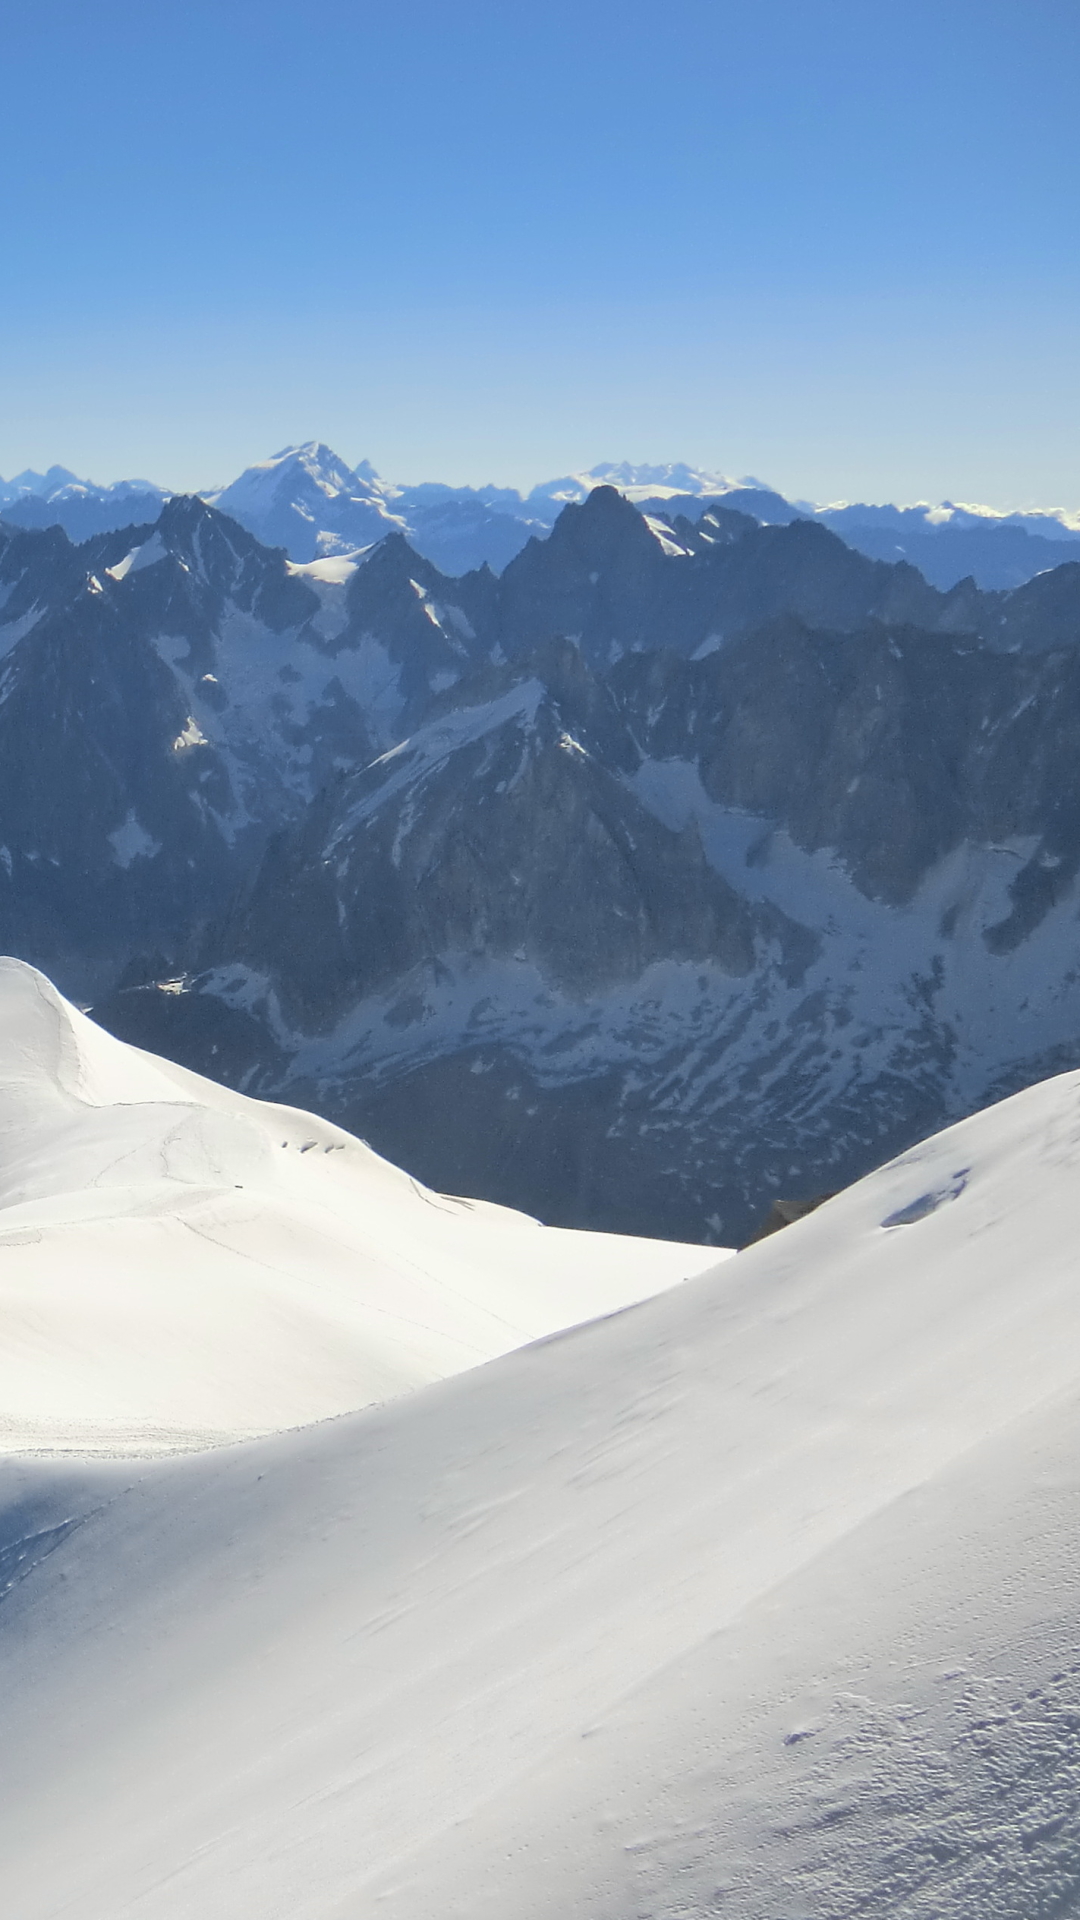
column 759, row 1600
column 183, row 1266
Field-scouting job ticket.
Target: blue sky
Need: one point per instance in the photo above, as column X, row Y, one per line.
column 834, row 243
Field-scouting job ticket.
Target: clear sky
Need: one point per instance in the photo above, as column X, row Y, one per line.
column 833, row 243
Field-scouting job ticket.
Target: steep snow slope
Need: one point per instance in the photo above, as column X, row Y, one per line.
column 182, row 1265
column 760, row 1600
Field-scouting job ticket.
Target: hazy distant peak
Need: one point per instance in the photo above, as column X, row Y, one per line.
column 637, row 482
column 31, row 482
column 1049, row 523
column 44, row 484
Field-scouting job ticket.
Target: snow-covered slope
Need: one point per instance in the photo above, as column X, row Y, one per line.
column 180, row 1265
column 761, row 1600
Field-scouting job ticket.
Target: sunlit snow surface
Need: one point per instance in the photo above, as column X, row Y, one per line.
column 760, row 1600
column 180, row 1265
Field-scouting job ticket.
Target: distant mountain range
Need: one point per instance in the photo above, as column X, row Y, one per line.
column 59, row 498
column 687, row 861
column 309, row 501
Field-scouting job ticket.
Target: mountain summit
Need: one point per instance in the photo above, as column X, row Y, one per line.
column 308, row 501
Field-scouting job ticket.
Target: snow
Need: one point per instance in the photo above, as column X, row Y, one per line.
column 273, row 683
column 636, row 482
column 132, row 842
column 336, row 570
column 757, row 1600
column 426, row 751
column 182, row 1265
column 12, row 631
column 877, row 954
column 192, row 735
column 311, row 478
column 258, row 484
column 661, row 532
column 149, row 554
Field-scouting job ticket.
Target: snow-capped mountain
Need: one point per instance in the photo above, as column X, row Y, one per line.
column 636, row 482
column 692, row 862
column 758, row 1599
column 308, row 501
column 325, row 1278
column 59, row 498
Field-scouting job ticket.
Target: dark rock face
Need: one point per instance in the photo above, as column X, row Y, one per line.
column 493, row 832
column 996, row 554
column 604, row 577
column 150, row 734
column 682, row 865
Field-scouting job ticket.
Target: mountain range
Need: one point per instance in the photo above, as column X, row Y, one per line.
column 309, row 501
column 686, row 862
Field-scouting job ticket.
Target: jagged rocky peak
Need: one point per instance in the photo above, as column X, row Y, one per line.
column 600, row 576
column 200, row 556
column 604, row 530
column 494, row 835
column 427, row 629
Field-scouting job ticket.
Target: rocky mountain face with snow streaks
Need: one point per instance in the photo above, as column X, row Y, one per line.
column 685, row 862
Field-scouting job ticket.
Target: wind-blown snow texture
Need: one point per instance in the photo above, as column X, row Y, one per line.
column 759, row 1600
column 181, row 1265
